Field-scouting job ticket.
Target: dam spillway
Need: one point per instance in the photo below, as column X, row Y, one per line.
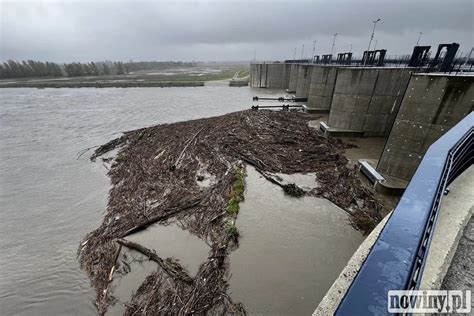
column 321, row 88
column 433, row 103
column 380, row 101
column 367, row 99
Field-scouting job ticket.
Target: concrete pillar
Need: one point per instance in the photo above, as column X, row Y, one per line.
column 253, row 75
column 293, row 77
column 258, row 75
column 276, row 76
column 286, row 76
column 273, row 75
column 367, row 99
column 432, row 104
column 304, row 79
column 321, row 88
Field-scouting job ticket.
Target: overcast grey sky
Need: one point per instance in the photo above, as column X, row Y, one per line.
column 94, row 30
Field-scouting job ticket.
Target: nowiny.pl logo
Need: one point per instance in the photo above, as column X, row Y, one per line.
column 429, row 301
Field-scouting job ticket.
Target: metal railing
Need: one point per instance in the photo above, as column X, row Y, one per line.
column 459, row 65
column 397, row 259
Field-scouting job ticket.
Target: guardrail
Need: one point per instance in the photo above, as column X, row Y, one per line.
column 397, row 259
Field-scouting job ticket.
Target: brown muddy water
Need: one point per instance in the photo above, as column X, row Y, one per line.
column 291, row 250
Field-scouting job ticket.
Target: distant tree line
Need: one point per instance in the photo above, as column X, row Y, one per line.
column 30, row 68
column 156, row 65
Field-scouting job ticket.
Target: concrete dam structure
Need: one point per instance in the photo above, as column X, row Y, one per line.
column 293, row 83
column 366, row 100
column 321, row 88
column 433, row 103
column 303, row 81
column 272, row 75
column 415, row 117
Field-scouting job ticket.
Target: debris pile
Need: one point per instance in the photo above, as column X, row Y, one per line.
column 158, row 176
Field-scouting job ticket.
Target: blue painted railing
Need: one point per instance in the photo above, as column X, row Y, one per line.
column 397, row 259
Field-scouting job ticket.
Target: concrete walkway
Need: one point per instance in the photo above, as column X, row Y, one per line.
column 455, row 213
column 460, row 274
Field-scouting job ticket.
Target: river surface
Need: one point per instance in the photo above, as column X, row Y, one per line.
column 49, row 199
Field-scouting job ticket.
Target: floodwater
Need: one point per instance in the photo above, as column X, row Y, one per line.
column 168, row 241
column 49, row 199
column 291, row 250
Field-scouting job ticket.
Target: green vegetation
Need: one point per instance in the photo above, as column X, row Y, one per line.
column 231, row 229
column 243, row 73
column 30, row 68
column 102, row 84
column 235, row 197
column 237, row 192
column 121, row 157
column 367, row 224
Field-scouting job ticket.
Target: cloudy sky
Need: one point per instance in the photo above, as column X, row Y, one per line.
column 94, row 30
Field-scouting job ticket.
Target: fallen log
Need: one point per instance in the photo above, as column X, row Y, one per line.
column 173, row 269
column 161, row 217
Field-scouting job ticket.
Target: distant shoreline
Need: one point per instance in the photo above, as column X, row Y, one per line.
column 104, row 84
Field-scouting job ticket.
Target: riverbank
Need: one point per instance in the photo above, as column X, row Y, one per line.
column 104, row 84
column 177, row 77
column 191, row 172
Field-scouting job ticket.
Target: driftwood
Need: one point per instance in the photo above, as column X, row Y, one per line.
column 110, row 276
column 176, row 164
column 154, row 179
column 174, row 270
column 152, row 220
column 290, row 189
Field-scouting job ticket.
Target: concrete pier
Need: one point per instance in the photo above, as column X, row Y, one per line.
column 258, row 75
column 432, row 104
column 293, row 77
column 271, row 75
column 304, row 80
column 321, row 88
column 367, row 99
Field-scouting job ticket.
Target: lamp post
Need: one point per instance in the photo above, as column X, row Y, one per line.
column 302, row 51
column 333, row 44
column 314, row 49
column 419, row 38
column 371, row 38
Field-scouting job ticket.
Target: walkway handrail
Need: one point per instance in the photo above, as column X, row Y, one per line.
column 397, row 259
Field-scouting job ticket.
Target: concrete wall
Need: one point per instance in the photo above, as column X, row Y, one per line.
column 293, row 77
column 432, row 104
column 258, row 75
column 273, row 75
column 367, row 99
column 286, row 76
column 321, row 88
column 304, row 80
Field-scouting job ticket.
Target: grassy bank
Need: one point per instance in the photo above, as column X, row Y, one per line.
column 106, row 84
column 194, row 78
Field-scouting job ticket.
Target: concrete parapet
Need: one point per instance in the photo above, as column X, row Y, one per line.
column 454, row 214
column 321, row 88
column 304, row 80
column 433, row 103
column 367, row 99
